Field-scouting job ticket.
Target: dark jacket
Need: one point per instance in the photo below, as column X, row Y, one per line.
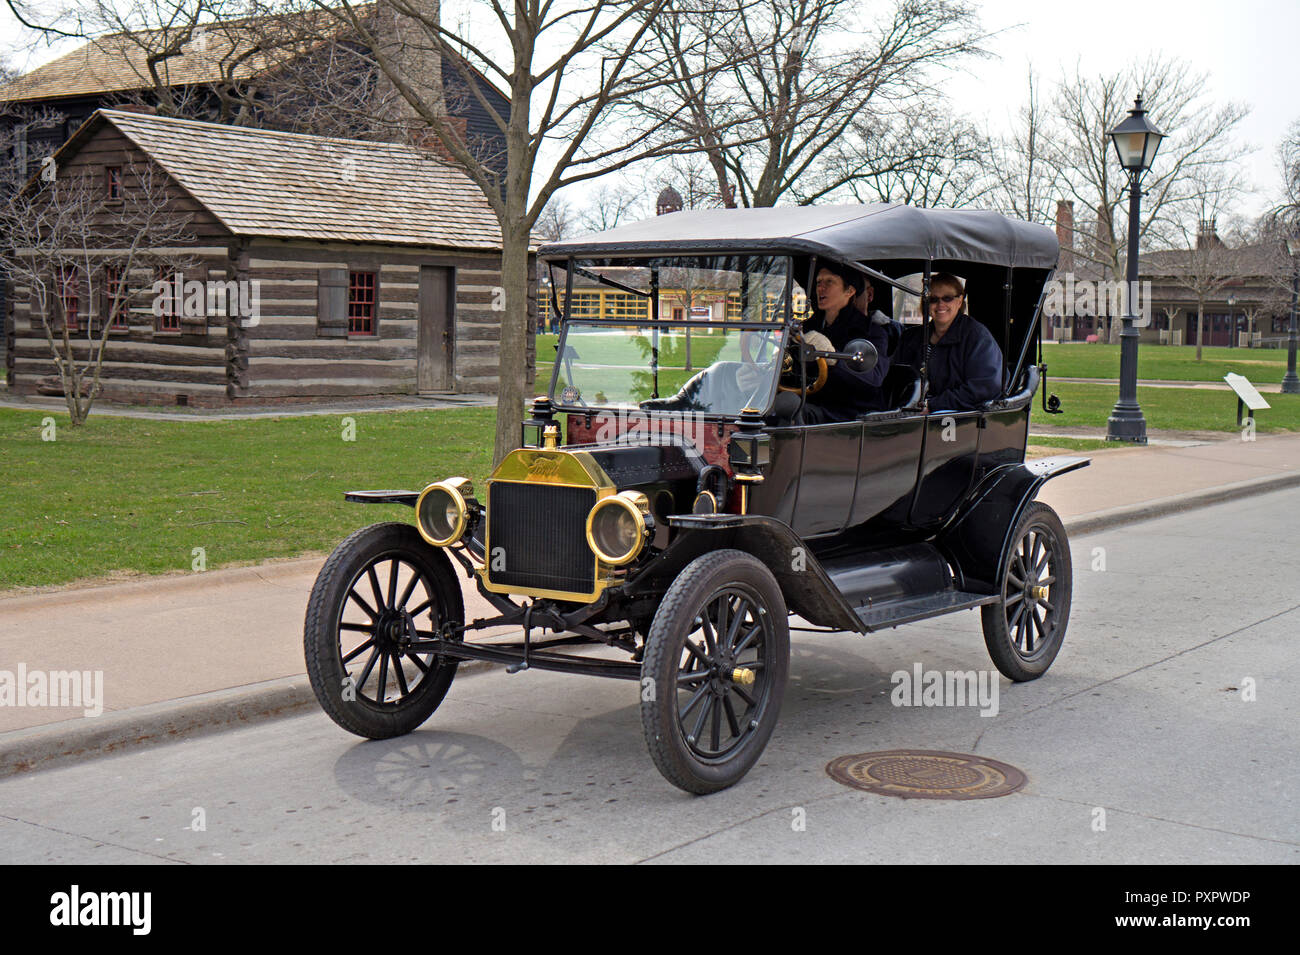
column 849, row 393
column 965, row 367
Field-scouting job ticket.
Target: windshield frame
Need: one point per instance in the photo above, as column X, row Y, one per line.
column 584, row 265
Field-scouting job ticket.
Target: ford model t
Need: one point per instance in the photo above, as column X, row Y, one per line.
column 662, row 505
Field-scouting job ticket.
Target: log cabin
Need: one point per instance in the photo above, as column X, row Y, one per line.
column 368, row 269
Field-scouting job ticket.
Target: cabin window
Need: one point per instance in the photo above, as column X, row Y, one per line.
column 169, row 319
column 70, row 298
column 114, row 181
column 115, row 297
column 361, row 303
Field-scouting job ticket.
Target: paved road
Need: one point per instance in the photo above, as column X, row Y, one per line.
column 1142, row 716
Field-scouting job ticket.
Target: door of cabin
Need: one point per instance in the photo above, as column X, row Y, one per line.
column 437, row 338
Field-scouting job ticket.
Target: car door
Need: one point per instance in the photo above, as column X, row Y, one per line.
column 828, row 478
column 951, row 449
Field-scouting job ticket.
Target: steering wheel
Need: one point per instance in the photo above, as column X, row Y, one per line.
column 753, row 341
column 817, row 370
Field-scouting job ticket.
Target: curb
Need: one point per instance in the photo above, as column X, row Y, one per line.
column 45, row 747
column 1150, row 510
column 42, row 747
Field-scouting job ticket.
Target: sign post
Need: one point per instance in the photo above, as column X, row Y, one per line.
column 1248, row 396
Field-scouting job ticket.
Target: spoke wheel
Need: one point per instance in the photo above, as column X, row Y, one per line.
column 377, row 591
column 714, row 671
column 1024, row 630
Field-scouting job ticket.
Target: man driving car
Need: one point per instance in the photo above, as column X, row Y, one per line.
column 836, row 322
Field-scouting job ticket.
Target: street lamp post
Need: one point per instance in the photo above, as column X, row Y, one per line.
column 1232, row 321
column 1290, row 383
column 1136, row 142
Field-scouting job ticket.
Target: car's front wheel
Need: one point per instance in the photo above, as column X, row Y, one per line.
column 714, row 671
column 380, row 590
column 1024, row 630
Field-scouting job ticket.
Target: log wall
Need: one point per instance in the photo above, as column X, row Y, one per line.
column 282, row 355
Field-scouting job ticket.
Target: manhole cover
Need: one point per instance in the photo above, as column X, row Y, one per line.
column 917, row 774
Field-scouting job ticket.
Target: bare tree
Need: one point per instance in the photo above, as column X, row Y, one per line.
column 556, row 221
column 926, row 157
column 568, row 69
column 1024, row 182
column 791, row 80
column 608, row 206
column 1199, row 149
column 72, row 251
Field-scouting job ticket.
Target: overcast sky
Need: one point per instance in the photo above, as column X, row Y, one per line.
column 1249, row 48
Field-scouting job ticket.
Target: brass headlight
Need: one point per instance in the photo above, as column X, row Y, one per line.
column 441, row 511
column 618, row 527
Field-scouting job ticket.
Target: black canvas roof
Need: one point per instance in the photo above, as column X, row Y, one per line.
column 851, row 233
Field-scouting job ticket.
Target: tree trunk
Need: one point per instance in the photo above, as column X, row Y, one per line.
column 512, row 375
column 1200, row 327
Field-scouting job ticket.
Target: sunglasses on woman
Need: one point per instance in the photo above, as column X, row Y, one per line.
column 946, row 299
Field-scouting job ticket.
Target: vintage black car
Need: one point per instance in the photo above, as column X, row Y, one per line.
column 657, row 506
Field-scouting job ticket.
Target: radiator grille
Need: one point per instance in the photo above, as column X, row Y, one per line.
column 541, row 532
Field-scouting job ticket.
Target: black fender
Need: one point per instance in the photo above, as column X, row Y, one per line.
column 382, row 497
column 978, row 538
column 807, row 587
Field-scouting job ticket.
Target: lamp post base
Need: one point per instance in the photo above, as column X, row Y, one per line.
column 1291, row 385
column 1126, row 424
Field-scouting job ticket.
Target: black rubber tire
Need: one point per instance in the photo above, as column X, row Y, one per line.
column 1009, row 633
column 706, row 580
column 322, row 635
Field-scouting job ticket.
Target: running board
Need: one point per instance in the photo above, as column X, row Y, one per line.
column 897, row 612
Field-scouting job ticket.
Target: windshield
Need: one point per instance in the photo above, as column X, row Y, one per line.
column 667, row 366
column 697, row 333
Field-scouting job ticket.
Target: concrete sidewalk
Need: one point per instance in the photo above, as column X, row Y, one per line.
column 217, row 647
column 1263, row 386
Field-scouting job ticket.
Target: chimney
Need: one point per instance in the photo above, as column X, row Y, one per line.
column 1065, row 234
column 1105, row 231
column 410, row 43
column 1207, row 233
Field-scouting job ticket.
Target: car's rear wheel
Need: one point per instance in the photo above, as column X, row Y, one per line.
column 1024, row 630
column 379, row 587
column 714, row 671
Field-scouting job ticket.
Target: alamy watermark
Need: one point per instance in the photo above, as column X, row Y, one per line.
column 221, row 298
column 946, row 688
column 82, row 689
column 1085, row 298
column 623, row 424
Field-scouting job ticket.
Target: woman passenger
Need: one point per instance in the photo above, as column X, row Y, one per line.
column 965, row 366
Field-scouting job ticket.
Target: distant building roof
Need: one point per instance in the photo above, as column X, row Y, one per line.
column 1249, row 260
column 261, row 182
column 216, row 52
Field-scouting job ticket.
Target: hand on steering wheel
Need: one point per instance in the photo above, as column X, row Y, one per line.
column 817, row 368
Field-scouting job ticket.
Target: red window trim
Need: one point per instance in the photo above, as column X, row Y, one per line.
column 68, row 283
column 362, row 287
column 113, row 180
column 115, row 286
column 170, row 319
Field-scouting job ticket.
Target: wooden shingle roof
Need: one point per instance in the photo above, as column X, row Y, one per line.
column 261, row 182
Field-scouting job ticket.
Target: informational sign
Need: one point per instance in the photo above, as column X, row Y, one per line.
column 1248, row 395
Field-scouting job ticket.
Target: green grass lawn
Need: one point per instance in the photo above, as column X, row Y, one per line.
column 1173, row 409
column 123, row 494
column 1069, row 444
column 1166, row 362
